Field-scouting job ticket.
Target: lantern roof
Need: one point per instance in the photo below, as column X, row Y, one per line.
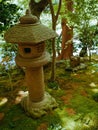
column 29, row 31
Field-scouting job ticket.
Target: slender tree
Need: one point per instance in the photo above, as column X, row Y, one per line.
column 54, row 23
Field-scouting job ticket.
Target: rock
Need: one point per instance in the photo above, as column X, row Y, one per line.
column 74, row 61
column 21, row 95
column 93, row 71
column 3, row 101
column 92, row 84
column 18, row 99
column 80, row 67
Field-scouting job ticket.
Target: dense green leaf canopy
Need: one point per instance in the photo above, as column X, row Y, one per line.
column 9, row 14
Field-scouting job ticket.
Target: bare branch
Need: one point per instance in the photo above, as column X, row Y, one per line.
column 51, row 9
column 59, row 8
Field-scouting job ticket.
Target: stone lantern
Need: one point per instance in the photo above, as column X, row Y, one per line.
column 30, row 35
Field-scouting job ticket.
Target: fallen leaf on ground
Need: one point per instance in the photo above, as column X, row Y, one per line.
column 70, row 111
column 43, row 126
column 1, row 116
column 3, row 101
column 66, row 99
column 84, row 93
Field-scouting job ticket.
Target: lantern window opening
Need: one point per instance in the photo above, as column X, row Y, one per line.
column 27, row 50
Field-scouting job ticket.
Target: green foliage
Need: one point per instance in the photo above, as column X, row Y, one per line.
column 8, row 51
column 57, row 46
column 95, row 97
column 23, row 3
column 49, row 46
column 9, row 76
column 53, row 85
column 17, row 120
column 84, row 104
column 56, row 127
column 9, row 14
column 8, row 54
column 83, row 14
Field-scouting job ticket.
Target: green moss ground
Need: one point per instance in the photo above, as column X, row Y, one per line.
column 77, row 108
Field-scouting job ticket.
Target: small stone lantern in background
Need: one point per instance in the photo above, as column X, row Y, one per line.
column 30, row 35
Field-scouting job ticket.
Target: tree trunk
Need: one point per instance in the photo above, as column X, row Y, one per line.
column 67, row 35
column 67, row 46
column 37, row 8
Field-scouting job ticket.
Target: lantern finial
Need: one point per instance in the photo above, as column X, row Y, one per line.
column 28, row 18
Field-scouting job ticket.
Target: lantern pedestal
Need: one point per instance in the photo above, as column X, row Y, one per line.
column 38, row 109
column 38, row 101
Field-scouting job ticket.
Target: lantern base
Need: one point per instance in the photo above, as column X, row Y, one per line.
column 38, row 109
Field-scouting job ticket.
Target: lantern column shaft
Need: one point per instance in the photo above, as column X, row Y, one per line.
column 35, row 83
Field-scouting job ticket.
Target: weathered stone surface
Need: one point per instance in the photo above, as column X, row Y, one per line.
column 38, row 109
column 33, row 62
